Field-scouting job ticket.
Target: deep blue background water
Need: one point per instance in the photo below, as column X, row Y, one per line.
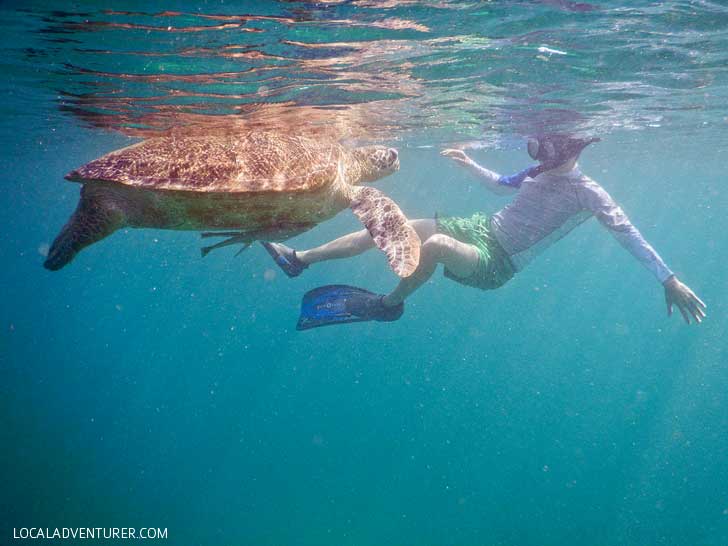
column 143, row 386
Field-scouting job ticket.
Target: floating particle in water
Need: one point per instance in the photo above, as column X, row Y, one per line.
column 621, row 329
column 269, row 275
column 551, row 51
column 43, row 249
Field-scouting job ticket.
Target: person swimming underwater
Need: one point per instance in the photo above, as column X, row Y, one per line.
column 483, row 251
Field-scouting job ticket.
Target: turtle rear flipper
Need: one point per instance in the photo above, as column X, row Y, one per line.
column 389, row 229
column 280, row 230
column 233, row 238
column 96, row 216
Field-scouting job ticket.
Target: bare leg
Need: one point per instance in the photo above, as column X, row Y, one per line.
column 460, row 258
column 357, row 243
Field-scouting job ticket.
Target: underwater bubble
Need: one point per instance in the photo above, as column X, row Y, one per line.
column 269, row 275
column 43, row 249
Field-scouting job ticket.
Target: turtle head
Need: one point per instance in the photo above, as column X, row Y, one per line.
column 376, row 162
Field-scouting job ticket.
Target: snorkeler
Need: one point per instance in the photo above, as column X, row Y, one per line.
column 484, row 251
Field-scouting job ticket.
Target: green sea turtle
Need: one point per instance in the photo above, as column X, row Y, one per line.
column 258, row 186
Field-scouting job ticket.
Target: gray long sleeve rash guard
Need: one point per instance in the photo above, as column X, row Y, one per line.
column 550, row 206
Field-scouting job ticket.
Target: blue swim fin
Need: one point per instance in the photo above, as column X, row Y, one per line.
column 340, row 304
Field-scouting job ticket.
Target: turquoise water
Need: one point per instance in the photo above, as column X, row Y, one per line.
column 144, row 386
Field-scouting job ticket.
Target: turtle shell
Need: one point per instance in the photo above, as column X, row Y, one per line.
column 254, row 162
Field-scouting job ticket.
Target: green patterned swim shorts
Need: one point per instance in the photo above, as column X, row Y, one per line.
column 494, row 266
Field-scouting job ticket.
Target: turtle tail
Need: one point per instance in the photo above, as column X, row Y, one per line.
column 96, row 217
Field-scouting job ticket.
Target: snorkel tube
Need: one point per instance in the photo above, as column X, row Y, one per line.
column 552, row 151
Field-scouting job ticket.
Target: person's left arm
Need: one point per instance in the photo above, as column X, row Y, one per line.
column 612, row 217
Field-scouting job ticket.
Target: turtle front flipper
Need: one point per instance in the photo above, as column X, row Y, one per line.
column 389, row 229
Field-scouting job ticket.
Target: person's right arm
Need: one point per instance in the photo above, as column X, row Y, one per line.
column 489, row 179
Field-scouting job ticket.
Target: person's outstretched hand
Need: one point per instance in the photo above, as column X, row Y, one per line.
column 458, row 156
column 679, row 294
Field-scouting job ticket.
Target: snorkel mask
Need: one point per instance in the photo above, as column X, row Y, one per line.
column 552, row 151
